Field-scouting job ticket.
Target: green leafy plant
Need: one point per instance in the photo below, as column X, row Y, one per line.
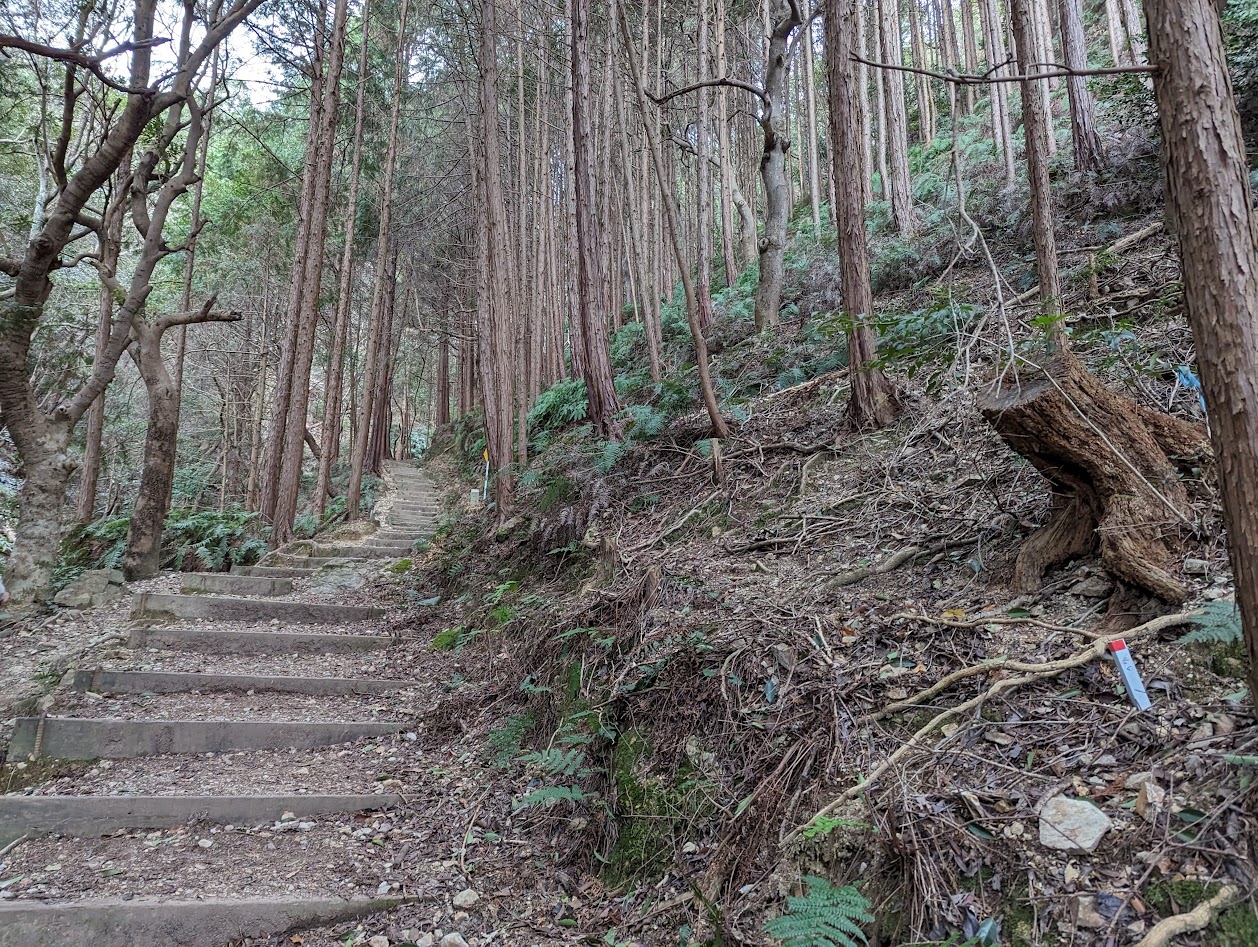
column 823, row 825
column 825, row 916
column 1219, row 622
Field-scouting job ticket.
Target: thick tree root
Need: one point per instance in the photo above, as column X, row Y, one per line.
column 1111, row 465
column 1165, row 930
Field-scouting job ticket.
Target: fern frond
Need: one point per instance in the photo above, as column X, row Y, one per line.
column 1219, row 622
column 555, row 762
column 825, row 916
column 549, row 795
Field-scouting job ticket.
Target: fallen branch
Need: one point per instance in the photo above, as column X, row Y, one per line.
column 980, row 622
column 676, row 526
column 1035, row 672
column 1118, row 246
column 1190, row 921
column 893, row 562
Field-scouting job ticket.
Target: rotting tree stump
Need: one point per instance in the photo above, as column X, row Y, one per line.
column 1112, row 467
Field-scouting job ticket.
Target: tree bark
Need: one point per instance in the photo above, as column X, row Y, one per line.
column 1212, row 209
column 307, row 313
column 1089, row 155
column 903, row 214
column 994, row 47
column 353, row 493
column 590, row 276
column 873, row 401
column 334, row 398
column 773, row 174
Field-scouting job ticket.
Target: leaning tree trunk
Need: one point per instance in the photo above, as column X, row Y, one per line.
column 143, row 556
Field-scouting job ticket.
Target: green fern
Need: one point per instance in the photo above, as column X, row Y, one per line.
column 549, row 795
column 824, row 917
column 824, row 825
column 1218, row 622
column 555, row 762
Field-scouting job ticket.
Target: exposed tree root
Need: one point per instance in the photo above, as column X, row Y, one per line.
column 893, row 562
column 1111, row 466
column 1033, row 672
column 1200, row 916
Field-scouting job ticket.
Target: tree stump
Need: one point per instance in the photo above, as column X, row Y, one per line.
column 1112, row 467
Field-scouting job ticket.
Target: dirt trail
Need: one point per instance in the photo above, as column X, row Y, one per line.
column 198, row 787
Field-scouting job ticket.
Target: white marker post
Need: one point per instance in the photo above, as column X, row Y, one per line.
column 1131, row 677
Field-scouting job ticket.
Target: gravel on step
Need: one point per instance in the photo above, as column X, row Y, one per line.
column 260, row 705
column 365, row 767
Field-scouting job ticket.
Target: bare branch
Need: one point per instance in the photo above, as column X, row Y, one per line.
column 76, row 57
column 962, row 78
column 711, row 83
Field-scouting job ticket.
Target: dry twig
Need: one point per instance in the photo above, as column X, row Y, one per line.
column 1034, row 672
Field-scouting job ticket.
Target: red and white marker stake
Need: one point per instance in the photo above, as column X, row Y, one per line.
column 1131, row 677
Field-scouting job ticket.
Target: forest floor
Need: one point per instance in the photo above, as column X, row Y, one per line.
column 820, row 620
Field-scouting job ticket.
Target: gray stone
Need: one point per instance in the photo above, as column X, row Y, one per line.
column 228, row 584
column 466, row 898
column 453, row 940
column 1072, row 825
column 255, row 642
column 1094, row 587
column 92, row 588
column 337, row 579
column 1196, row 567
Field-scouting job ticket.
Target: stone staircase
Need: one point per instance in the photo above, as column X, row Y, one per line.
column 244, row 625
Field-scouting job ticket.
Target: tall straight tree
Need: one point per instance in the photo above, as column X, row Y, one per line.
column 903, row 214
column 381, row 284
column 1088, row 153
column 873, row 402
column 334, row 398
column 673, row 227
column 492, row 303
column 590, row 275
column 1212, row 208
column 306, row 316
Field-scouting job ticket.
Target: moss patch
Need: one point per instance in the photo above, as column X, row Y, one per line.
column 1235, row 927
column 650, row 811
column 401, row 567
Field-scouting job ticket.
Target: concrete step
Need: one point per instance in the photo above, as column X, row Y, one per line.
column 92, row 816
column 182, row 682
column 275, row 572
column 159, row 606
column 306, row 562
column 372, row 550
column 228, row 584
column 255, row 642
column 76, row 738
column 149, row 922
